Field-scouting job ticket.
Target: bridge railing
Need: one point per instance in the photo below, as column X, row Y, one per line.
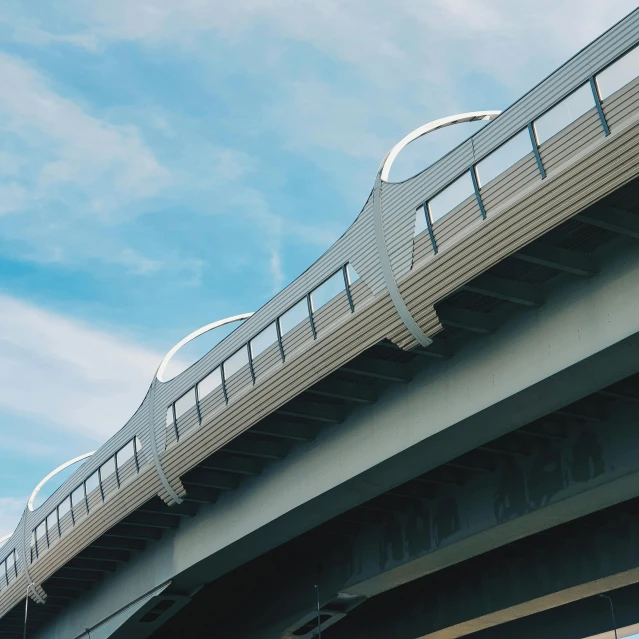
column 528, row 156
column 521, row 139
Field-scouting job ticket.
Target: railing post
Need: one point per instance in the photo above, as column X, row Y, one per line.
column 309, row 303
column 597, row 98
column 535, row 146
column 473, row 176
column 278, row 329
column 347, row 286
column 223, row 378
column 429, row 226
column 250, row 360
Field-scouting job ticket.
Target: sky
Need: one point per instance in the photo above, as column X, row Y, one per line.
column 166, row 163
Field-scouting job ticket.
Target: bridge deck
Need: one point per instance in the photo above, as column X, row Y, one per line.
column 340, row 307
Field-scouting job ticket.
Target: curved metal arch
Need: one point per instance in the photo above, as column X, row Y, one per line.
column 382, row 178
column 159, row 375
column 425, row 129
column 52, row 474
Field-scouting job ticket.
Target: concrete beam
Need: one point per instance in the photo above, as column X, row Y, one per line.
column 507, row 290
column 590, row 617
column 468, row 320
column 611, row 219
column 558, row 259
column 357, row 393
column 583, row 338
column 593, row 467
column 377, row 369
column 531, row 576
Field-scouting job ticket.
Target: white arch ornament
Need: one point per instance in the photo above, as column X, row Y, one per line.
column 195, row 334
column 52, row 474
column 159, row 378
column 382, row 178
column 36, row 590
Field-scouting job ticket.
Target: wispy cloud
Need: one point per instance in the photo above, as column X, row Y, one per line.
column 80, row 148
column 72, row 376
column 70, row 176
column 367, row 33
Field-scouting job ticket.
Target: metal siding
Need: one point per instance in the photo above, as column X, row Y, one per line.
column 328, row 314
column 422, row 248
column 584, row 166
column 460, row 219
column 621, row 104
column 507, row 185
column 268, row 359
column 582, row 132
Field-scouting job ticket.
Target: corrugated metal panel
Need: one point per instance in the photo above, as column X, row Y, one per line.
column 270, row 358
column 557, row 198
column 422, row 248
column 584, row 131
column 561, row 83
column 360, row 293
column 425, row 185
column 522, row 209
column 326, row 316
column 460, row 219
column 399, row 225
column 503, row 188
column 621, row 105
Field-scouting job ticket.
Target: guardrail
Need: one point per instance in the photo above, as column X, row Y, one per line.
column 593, row 83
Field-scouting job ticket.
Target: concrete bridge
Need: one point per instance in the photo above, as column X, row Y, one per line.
column 430, row 433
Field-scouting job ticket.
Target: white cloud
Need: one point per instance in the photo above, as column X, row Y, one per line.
column 70, row 375
column 369, row 33
column 409, row 63
column 13, row 197
column 109, row 162
column 277, row 275
column 70, row 177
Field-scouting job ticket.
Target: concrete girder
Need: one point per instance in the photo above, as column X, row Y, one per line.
column 582, row 339
column 593, row 467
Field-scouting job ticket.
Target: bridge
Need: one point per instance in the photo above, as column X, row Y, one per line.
column 430, row 433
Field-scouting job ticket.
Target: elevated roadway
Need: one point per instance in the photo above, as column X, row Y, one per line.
column 457, row 372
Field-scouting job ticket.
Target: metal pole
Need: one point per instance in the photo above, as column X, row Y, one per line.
column 319, row 619
column 612, row 612
column 26, row 613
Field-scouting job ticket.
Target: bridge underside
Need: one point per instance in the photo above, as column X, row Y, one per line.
column 525, row 521
column 549, row 454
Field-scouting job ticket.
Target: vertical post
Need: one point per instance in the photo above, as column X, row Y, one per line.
column 535, row 146
column 223, row 377
column 278, row 329
column 347, row 286
column 429, row 226
column 612, row 612
column 319, row 616
column 175, row 424
column 597, row 98
column 26, row 613
column 135, row 455
column 309, row 303
column 197, row 404
column 101, row 492
column 473, row 175
column 250, row 361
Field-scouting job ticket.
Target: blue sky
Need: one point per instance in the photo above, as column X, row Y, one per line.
column 165, row 163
